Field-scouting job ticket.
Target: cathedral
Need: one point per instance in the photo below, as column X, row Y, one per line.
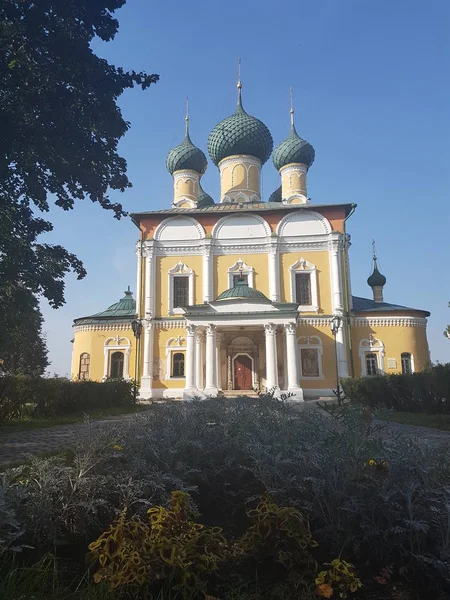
column 240, row 294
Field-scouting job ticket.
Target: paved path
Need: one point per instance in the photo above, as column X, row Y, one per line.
column 13, row 446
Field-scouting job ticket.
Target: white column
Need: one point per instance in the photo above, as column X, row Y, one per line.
column 219, row 340
column 211, row 375
column 271, row 357
column 126, row 366
column 199, row 359
column 105, row 365
column 149, row 276
column 145, row 390
column 190, row 389
column 274, row 275
column 138, row 278
column 337, row 301
column 207, row 273
column 290, row 330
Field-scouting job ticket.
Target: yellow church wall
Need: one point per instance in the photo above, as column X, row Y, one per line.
column 93, row 342
column 259, row 263
column 396, row 339
column 163, row 266
column 328, row 380
column 322, row 262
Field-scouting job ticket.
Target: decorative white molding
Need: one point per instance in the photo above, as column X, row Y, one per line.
column 170, row 323
column 179, row 227
column 174, row 345
column 312, row 342
column 315, row 222
column 179, row 270
column 375, row 346
column 314, row 321
column 233, row 374
column 241, row 267
column 102, row 327
column 304, row 266
column 108, row 349
column 241, row 226
column 388, row 321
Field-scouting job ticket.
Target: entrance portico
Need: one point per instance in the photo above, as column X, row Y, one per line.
column 236, row 343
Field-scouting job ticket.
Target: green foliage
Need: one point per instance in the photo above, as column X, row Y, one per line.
column 61, row 126
column 172, row 547
column 339, row 577
column 427, row 392
column 23, row 347
column 42, row 397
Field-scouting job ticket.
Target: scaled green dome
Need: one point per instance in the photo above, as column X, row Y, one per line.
column 242, row 290
column 276, row 195
column 240, row 133
column 186, row 156
column 204, row 199
column 293, row 149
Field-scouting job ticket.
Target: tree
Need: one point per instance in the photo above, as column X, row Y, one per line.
column 59, row 130
column 22, row 345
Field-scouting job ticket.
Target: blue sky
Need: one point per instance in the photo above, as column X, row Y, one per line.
column 371, row 93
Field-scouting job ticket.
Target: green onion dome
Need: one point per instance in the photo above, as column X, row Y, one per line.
column 276, row 195
column 242, row 290
column 204, row 199
column 186, row 156
column 240, row 133
column 377, row 279
column 293, row 149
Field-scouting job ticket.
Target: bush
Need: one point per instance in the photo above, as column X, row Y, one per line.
column 378, row 502
column 41, row 397
column 427, row 392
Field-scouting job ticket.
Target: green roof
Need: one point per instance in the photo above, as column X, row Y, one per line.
column 242, row 290
column 204, row 199
column 276, row 195
column 366, row 305
column 240, row 133
column 121, row 312
column 186, row 156
column 293, row 149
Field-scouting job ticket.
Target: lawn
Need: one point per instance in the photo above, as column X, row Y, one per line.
column 419, row 419
column 96, row 414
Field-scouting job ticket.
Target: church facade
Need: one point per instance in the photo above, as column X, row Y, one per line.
column 242, row 294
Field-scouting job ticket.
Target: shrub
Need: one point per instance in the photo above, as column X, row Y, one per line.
column 49, row 397
column 428, row 391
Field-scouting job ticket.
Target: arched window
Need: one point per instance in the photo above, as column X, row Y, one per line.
column 116, row 368
column 371, row 364
column 178, row 364
column 83, row 372
column 406, row 363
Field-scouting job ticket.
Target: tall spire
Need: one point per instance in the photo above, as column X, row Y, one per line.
column 239, row 84
column 377, row 280
column 186, row 118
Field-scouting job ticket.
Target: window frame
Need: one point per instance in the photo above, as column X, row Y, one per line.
column 111, row 355
column 83, row 355
column 304, row 266
column 310, row 343
column 241, row 267
column 371, row 345
column 174, row 345
column 179, row 270
column 372, row 355
column 175, row 353
column 411, row 362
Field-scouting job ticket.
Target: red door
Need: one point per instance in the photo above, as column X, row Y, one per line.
column 242, row 372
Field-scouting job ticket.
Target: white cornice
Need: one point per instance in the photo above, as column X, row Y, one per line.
column 402, row 321
column 102, row 327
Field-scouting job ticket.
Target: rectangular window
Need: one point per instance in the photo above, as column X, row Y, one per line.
column 303, row 289
column 406, row 363
column 180, row 292
column 310, row 362
column 371, row 364
column 178, row 364
column 237, row 278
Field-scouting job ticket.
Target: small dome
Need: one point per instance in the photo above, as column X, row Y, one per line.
column 186, row 156
column 293, row 149
column 276, row 195
column 204, row 199
column 242, row 290
column 125, row 307
column 377, row 279
column 240, row 133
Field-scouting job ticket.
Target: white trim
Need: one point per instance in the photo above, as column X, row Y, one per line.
column 367, row 346
column 221, row 222
column 312, row 342
column 233, row 358
column 125, row 348
column 170, row 350
column 306, row 213
column 412, row 361
column 191, row 221
column 304, row 266
column 179, row 270
column 402, row 321
column 246, row 270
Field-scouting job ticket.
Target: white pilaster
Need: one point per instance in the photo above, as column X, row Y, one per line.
column 290, row 330
column 145, row 390
column 274, row 271
column 337, row 301
column 207, row 272
column 149, row 283
column 211, row 371
column 190, row 389
column 138, row 278
column 271, row 357
column 199, row 339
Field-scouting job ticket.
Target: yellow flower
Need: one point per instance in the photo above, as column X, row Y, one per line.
column 324, row 590
column 117, row 447
column 372, row 463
